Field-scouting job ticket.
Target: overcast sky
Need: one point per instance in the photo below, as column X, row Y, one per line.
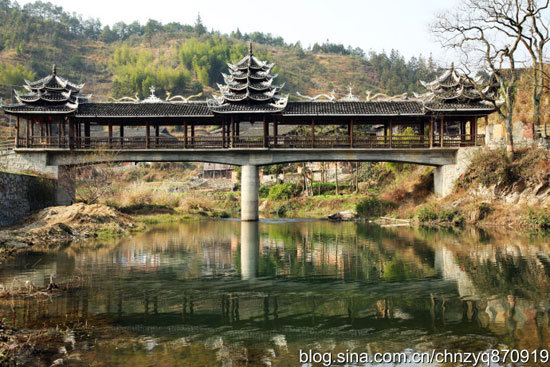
column 370, row 24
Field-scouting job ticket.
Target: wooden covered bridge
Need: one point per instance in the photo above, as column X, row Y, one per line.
column 56, row 120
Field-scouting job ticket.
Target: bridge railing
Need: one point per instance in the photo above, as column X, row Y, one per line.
column 219, row 142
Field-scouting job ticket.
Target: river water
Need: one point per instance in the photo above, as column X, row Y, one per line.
column 226, row 293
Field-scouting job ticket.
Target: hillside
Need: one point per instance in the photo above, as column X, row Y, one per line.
column 182, row 59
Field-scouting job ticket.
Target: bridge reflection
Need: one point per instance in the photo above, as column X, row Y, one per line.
column 303, row 279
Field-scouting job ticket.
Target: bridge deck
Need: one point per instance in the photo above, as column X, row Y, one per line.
column 220, row 142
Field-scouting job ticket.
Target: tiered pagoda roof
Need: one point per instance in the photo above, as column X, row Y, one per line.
column 51, row 94
column 454, row 90
column 249, row 87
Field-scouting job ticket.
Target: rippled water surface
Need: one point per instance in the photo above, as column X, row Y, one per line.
column 226, row 293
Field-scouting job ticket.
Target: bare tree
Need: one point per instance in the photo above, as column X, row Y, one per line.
column 535, row 41
column 489, row 34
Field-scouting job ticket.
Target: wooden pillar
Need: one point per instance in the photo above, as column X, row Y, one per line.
column 474, row 135
column 431, row 137
column 121, row 133
column 28, row 132
column 266, row 133
column 17, row 132
column 313, row 133
column 59, row 133
column 157, row 135
column 185, row 134
column 71, row 134
column 232, row 133
column 223, row 134
column 193, row 135
column 41, row 132
column 421, row 127
column 110, row 140
column 350, row 132
column 390, row 132
column 275, row 133
column 147, row 132
column 385, row 134
column 441, row 126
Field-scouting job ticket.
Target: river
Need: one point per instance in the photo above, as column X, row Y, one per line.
column 226, row 293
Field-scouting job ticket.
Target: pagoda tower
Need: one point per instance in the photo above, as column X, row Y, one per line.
column 455, row 88
column 249, row 83
column 52, row 93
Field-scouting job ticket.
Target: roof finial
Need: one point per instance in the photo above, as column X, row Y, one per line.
column 54, row 69
column 452, row 66
column 250, row 48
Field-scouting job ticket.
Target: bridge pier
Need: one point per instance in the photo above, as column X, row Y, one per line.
column 249, row 193
column 250, row 250
column 446, row 175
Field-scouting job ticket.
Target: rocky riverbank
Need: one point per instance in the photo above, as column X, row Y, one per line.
column 59, row 225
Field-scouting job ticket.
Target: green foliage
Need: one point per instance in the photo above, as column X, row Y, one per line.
column 450, row 216
column 138, row 71
column 372, row 207
column 538, row 218
column 283, row 191
column 426, row 214
column 14, row 75
column 263, row 192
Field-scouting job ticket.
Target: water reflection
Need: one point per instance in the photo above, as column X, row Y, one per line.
column 299, row 284
column 250, row 249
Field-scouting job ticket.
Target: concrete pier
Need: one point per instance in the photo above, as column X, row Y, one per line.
column 250, row 250
column 249, row 193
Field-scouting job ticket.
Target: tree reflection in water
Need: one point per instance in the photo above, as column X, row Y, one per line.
column 284, row 285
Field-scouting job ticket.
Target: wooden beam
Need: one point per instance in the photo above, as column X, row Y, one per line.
column 266, row 133
column 441, row 126
column 110, row 140
column 390, row 132
column 313, row 133
column 71, row 134
column 431, row 132
column 17, row 132
column 147, row 133
column 275, row 132
column 185, row 134
column 232, row 133
column 59, row 133
column 350, row 128
column 157, row 135
column 87, row 133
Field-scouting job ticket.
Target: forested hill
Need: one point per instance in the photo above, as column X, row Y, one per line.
column 183, row 59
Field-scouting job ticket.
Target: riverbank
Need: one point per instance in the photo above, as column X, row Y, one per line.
column 60, row 225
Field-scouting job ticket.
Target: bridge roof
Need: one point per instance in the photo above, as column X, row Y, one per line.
column 135, row 111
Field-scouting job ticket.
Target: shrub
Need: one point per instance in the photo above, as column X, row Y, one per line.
column 426, row 214
column 371, row 207
column 263, row 192
column 283, row 191
column 451, row 216
column 538, row 218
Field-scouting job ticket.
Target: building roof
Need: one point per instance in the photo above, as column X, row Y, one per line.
column 248, row 83
column 51, row 94
column 293, row 109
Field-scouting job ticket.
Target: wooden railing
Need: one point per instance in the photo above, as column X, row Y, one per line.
column 218, row 142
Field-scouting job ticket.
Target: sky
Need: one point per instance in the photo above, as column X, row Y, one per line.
column 370, row 24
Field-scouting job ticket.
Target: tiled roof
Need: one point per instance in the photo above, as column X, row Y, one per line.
column 457, row 106
column 143, row 109
column 38, row 109
column 354, row 108
column 201, row 109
